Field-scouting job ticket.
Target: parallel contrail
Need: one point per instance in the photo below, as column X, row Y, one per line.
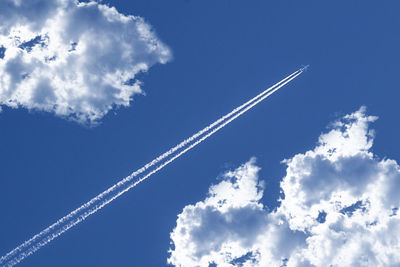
column 78, row 215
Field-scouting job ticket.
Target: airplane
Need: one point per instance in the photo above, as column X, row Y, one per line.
column 304, row 68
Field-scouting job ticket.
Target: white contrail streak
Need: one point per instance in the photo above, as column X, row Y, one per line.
column 101, row 200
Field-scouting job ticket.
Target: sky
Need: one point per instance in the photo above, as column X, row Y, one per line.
column 89, row 94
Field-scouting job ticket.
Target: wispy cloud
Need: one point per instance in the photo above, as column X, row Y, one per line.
column 75, row 59
column 340, row 208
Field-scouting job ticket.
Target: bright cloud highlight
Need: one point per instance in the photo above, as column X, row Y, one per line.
column 340, row 208
column 75, row 59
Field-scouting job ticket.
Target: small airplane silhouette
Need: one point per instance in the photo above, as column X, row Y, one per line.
column 304, row 68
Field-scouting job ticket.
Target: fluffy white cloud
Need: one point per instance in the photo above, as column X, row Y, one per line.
column 340, row 208
column 75, row 59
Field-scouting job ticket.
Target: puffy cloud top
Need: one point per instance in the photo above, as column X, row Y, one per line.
column 221, row 227
column 75, row 59
column 340, row 208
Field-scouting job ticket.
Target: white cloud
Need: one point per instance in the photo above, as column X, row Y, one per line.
column 75, row 59
column 339, row 209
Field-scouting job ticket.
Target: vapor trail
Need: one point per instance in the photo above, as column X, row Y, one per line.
column 101, row 200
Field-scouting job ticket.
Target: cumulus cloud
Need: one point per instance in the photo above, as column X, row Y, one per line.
column 75, row 59
column 340, row 208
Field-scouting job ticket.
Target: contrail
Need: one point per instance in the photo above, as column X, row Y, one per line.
column 78, row 215
column 63, row 224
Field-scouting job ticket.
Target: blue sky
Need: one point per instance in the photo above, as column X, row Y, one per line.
column 222, row 54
